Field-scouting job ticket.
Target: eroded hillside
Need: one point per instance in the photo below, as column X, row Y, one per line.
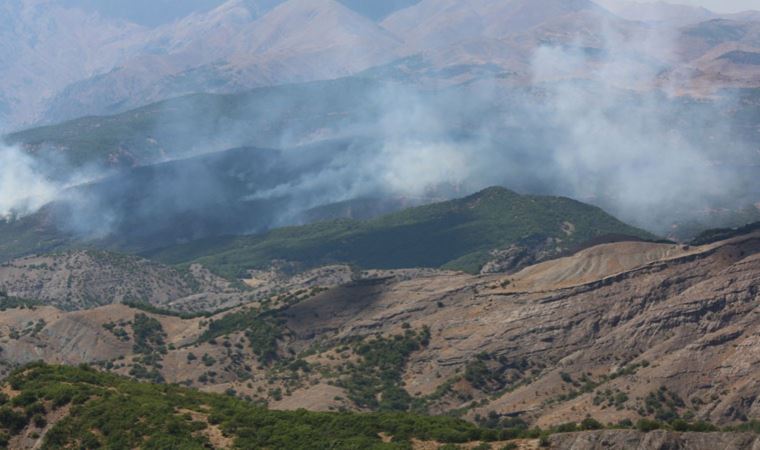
column 85, row 279
column 618, row 332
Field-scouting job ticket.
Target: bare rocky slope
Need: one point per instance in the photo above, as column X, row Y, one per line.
column 86, row 279
column 618, row 439
column 617, row 332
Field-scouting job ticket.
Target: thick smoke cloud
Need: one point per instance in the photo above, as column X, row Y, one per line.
column 647, row 157
column 597, row 121
column 602, row 126
column 23, row 188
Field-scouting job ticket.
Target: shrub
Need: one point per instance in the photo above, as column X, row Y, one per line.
column 25, row 398
column 12, row 420
column 569, row 427
column 647, row 425
column 375, row 382
column 149, row 334
column 591, row 424
column 39, row 421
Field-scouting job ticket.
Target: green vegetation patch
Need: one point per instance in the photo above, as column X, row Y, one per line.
column 8, row 302
column 149, row 343
column 152, row 309
column 720, row 234
column 457, row 234
column 108, row 411
column 375, row 382
column 491, row 373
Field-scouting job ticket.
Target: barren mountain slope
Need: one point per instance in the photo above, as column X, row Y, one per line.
column 673, row 323
column 432, row 24
column 618, row 439
column 618, row 331
column 230, row 49
column 83, row 279
column 79, row 280
column 671, row 13
column 75, row 337
column 44, row 47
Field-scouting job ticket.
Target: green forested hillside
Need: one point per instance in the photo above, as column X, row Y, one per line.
column 457, row 234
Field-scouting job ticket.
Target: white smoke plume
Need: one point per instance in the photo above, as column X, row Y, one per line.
column 600, row 121
column 620, row 145
column 23, row 188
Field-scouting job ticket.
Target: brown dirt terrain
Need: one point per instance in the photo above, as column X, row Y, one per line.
column 55, row 336
column 79, row 280
column 617, row 331
column 634, row 440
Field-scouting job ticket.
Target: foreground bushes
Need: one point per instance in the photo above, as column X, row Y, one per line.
column 108, row 411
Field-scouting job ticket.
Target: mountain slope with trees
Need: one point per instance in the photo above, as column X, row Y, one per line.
column 458, row 234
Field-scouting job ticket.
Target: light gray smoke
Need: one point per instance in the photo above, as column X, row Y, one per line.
column 23, row 188
column 598, row 120
column 623, row 145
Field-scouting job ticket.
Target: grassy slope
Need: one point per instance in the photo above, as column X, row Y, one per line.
column 456, row 234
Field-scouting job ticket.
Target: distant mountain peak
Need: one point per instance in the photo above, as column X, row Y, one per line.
column 294, row 24
column 314, row 8
column 252, row 8
column 258, row 7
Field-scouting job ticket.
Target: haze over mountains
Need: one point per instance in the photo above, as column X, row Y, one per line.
column 425, row 100
column 66, row 62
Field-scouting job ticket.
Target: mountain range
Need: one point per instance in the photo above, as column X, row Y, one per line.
column 65, row 62
column 407, row 224
column 264, row 158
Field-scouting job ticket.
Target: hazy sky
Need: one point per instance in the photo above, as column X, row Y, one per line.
column 156, row 12
column 721, row 6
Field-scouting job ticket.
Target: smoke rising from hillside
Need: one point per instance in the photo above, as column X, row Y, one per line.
column 634, row 153
column 599, row 123
column 605, row 127
column 23, row 189
column 28, row 182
